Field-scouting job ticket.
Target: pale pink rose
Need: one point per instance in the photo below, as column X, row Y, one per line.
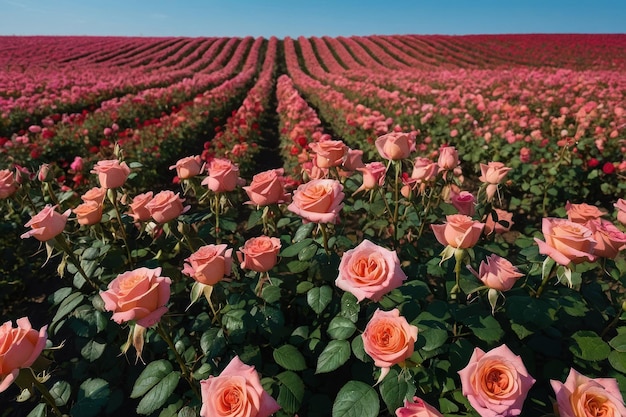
column 566, row 242
column 188, row 167
column 318, row 201
column 165, row 206
column 492, row 226
column 448, row 158
column 140, row 295
column 311, row 171
column 395, row 146
column 584, row 396
column 19, row 348
column 95, row 194
column 138, row 209
column 88, row 213
column 493, row 172
column 46, row 224
column 497, row 273
column 464, row 202
column 609, row 239
column 44, row 173
column 209, row 264
column 424, row 169
column 223, row 176
column 369, row 271
column 524, row 155
column 583, row 212
column 77, row 165
column 417, row 408
column 111, row 173
column 236, row 392
column 8, row 185
column 621, row 210
column 267, row 188
column 259, row 254
column 496, row 383
column 354, row 160
column 34, row 129
column 373, row 176
column 459, row 231
column 388, row 338
column 330, row 153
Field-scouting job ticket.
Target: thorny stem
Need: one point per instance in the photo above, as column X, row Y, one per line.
column 217, row 217
column 325, row 238
column 181, row 363
column 612, row 324
column 397, row 202
column 122, row 229
column 60, row 239
column 28, row 376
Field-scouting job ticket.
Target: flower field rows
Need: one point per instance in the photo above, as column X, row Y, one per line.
column 354, row 226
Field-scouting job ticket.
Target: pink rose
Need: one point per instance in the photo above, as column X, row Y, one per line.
column 140, row 295
column 111, row 173
column 188, row 167
column 493, row 172
column 524, row 155
column 621, row 210
column 88, row 213
column 584, row 396
column 209, row 264
column 95, row 194
column 8, row 185
column 330, row 153
column 497, row 273
column 395, row 146
column 259, row 254
column 318, row 201
column 448, row 158
column 582, row 213
column 165, row 206
column 44, row 173
column 236, row 392
column 566, row 241
column 77, row 165
column 267, row 188
column 373, row 176
column 19, row 348
column 492, row 226
column 354, row 160
column 459, row 231
column 388, row 338
column 424, row 169
column 46, row 224
column 609, row 239
column 223, row 176
column 418, row 408
column 496, row 383
column 464, row 202
column 138, row 209
column 369, row 271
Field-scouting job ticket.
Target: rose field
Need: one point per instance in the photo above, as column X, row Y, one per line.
column 403, row 225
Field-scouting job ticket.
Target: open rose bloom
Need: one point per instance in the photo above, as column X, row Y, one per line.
column 259, row 254
column 8, row 185
column 267, row 188
column 188, row 167
column 223, row 176
column 209, row 264
column 236, row 392
column 583, row 212
column 566, row 242
column 459, row 231
column 318, row 201
column 166, row 206
column 496, row 383
column 19, row 348
column 46, row 224
column 498, row 273
column 111, row 173
column 330, row 153
column 395, row 146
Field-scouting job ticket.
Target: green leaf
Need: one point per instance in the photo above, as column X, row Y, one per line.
column 319, row 297
column 294, row 249
column 297, row 266
column 356, row 399
column 618, row 361
column 358, row 350
column 340, row 328
column 290, row 358
column 335, row 354
column 92, row 350
column 303, row 231
column 38, row 411
column 93, row 396
column 61, row 391
column 271, row 293
column 394, row 390
column 589, row 346
column 308, row 252
column 159, row 394
column 619, row 342
column 435, row 337
column 304, row 286
column 149, row 377
column 291, row 391
column 485, row 328
column 187, row 412
column 67, row 306
column 350, row 307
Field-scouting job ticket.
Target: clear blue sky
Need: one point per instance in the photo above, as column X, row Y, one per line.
column 308, row 18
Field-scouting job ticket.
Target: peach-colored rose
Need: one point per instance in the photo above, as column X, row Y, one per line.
column 111, row 173
column 464, row 202
column 330, row 153
column 139, row 295
column 459, row 231
column 373, row 176
column 223, row 176
column 8, row 185
column 524, row 155
column 369, row 271
column 236, row 392
column 566, row 241
column 311, row 171
column 354, row 160
column 497, row 273
column 318, row 201
column 609, row 239
column 448, row 158
column 46, row 224
column 209, row 264
column 503, row 216
column 88, row 213
column 388, row 338
column 19, row 348
column 138, row 209
column 496, row 383
column 424, row 169
column 582, row 213
column 259, row 254
column 96, row 194
column 493, row 172
column 165, row 206
column 395, row 146
column 584, row 396
column 621, row 211
column 267, row 188
column 417, row 408
column 188, row 167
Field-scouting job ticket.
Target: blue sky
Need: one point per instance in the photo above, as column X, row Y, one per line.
column 308, row 18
